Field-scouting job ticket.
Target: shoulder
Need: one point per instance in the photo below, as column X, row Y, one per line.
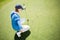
column 13, row 14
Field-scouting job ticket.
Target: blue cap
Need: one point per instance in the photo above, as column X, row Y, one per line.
column 19, row 7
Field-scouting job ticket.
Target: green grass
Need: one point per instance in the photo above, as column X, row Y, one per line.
column 3, row 2
column 44, row 18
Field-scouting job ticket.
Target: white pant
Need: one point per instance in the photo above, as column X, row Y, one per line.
column 25, row 28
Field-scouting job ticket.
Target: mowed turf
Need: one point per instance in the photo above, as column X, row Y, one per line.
column 3, row 2
column 43, row 15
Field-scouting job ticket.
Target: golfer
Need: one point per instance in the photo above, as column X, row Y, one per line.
column 17, row 22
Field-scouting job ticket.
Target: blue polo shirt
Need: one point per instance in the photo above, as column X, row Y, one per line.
column 15, row 21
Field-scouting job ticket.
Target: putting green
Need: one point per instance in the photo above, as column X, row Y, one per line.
column 44, row 19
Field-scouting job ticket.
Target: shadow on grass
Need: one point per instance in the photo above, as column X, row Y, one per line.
column 23, row 36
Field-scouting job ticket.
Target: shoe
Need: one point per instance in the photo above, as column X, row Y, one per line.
column 19, row 34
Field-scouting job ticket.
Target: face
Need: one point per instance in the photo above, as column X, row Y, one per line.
column 20, row 10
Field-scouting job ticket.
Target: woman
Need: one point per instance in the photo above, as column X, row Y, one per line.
column 17, row 21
